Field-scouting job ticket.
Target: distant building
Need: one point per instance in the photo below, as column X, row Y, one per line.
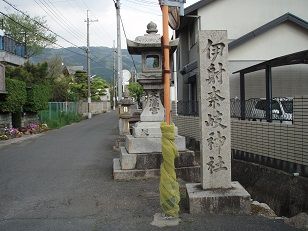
column 71, row 70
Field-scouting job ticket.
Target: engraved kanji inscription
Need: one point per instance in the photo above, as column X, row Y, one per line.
column 214, row 50
column 154, row 103
column 216, row 167
column 216, row 141
column 215, row 74
column 145, row 132
column 215, row 120
column 211, row 164
column 214, row 98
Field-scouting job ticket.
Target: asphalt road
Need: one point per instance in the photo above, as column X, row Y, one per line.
column 62, row 180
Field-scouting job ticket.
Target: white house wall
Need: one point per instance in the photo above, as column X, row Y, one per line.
column 284, row 39
column 242, row 16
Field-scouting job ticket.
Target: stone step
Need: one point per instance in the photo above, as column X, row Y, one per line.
column 150, row 144
column 190, row 174
column 153, row 160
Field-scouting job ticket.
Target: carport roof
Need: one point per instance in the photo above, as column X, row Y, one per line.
column 290, row 59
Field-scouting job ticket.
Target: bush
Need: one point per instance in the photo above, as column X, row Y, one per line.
column 16, row 97
column 37, row 98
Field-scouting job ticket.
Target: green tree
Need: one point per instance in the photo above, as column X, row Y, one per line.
column 98, row 86
column 79, row 86
column 32, row 33
column 29, row 73
column 135, row 91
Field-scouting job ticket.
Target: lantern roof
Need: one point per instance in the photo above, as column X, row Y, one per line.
column 126, row 101
column 149, row 42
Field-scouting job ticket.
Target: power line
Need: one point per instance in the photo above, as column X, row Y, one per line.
column 141, row 9
column 65, row 20
column 43, row 37
column 53, row 16
column 126, row 39
column 40, row 24
column 143, row 3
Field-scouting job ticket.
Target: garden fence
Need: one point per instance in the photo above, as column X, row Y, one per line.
column 56, row 109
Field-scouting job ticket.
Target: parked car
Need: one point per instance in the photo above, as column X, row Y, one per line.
column 282, row 109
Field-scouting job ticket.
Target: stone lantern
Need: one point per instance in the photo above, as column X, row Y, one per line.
column 125, row 114
column 141, row 156
column 150, row 48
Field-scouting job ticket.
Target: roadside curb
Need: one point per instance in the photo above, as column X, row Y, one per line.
column 4, row 143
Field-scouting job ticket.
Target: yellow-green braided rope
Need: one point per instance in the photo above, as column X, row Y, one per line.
column 169, row 187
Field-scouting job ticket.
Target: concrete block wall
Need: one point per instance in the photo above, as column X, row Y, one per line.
column 96, row 107
column 287, row 142
column 188, row 126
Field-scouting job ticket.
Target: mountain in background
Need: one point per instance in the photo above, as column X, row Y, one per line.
column 102, row 56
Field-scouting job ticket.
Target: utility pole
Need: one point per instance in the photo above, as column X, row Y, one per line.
column 119, row 51
column 88, row 63
column 114, row 79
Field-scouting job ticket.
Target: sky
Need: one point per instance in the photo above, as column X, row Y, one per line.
column 67, row 18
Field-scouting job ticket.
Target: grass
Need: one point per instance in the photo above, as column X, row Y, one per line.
column 58, row 120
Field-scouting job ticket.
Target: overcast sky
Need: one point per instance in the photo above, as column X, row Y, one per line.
column 66, row 17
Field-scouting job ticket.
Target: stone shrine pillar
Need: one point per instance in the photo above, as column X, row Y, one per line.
column 217, row 193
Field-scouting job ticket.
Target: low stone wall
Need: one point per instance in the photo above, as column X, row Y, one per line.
column 28, row 118
column 285, row 193
column 5, row 120
column 96, row 107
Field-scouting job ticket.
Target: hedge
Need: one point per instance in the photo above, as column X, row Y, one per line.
column 16, row 97
column 37, row 98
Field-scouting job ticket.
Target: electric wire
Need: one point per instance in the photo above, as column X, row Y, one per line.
column 43, row 37
column 66, row 21
column 53, row 16
column 40, row 24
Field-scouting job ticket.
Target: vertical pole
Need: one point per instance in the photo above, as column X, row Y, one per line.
column 242, row 96
column 88, row 67
column 166, row 71
column 175, row 79
column 26, row 55
column 269, row 93
column 114, row 81
column 119, row 52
